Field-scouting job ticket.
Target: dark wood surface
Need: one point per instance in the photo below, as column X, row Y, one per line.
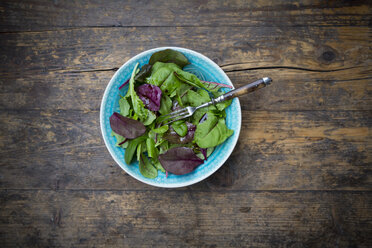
column 300, row 175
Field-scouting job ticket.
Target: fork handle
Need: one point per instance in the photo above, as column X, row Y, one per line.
column 261, row 83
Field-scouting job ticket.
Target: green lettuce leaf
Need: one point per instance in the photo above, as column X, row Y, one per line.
column 211, row 132
column 146, row 168
column 169, row 55
column 138, row 106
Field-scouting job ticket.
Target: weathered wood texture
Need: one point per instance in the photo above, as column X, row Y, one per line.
column 46, row 15
column 233, row 48
column 184, row 218
column 322, row 150
column 300, row 175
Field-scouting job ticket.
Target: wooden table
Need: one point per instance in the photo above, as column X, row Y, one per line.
column 300, row 175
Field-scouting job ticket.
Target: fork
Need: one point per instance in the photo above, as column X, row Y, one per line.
column 189, row 111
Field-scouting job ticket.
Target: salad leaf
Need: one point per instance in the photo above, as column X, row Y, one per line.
column 150, row 95
column 163, row 147
column 189, row 78
column 180, row 160
column 204, row 152
column 161, row 129
column 139, row 151
column 151, row 116
column 211, row 132
column 143, row 73
column 159, row 65
column 126, row 127
column 165, row 104
column 169, row 55
column 165, row 79
column 214, row 87
column 195, row 99
column 222, row 105
column 174, row 138
column 124, row 106
column 146, row 168
column 151, row 149
column 158, row 165
column 131, row 149
column 138, row 105
column 119, row 139
column 180, row 128
column 209, row 151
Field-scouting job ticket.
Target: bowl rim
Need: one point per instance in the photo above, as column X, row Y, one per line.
column 106, row 95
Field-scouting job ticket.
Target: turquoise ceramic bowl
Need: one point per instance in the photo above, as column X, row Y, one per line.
column 206, row 70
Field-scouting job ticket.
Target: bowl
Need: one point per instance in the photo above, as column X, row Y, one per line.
column 206, row 70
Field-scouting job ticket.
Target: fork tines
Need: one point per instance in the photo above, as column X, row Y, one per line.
column 172, row 117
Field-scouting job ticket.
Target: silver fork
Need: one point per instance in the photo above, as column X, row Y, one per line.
column 189, row 111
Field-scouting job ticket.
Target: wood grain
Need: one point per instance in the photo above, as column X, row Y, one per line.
column 46, row 15
column 233, row 48
column 292, row 90
column 145, row 218
column 322, row 150
column 300, row 175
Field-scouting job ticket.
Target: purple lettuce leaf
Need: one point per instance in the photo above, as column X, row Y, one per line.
column 174, row 138
column 150, row 96
column 180, row 160
column 126, row 127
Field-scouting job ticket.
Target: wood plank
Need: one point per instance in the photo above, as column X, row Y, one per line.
column 292, row 90
column 46, row 15
column 317, row 150
column 194, row 219
column 233, row 48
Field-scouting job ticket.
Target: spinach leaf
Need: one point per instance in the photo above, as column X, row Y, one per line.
column 165, row 79
column 132, row 146
column 169, row 55
column 159, row 65
column 152, row 151
column 165, row 105
column 143, row 73
column 179, row 160
column 189, row 78
column 195, row 99
column 161, row 129
column 211, row 132
column 180, row 127
column 146, row 168
column 126, row 127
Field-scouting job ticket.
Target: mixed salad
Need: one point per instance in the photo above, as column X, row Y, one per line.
column 158, row 88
